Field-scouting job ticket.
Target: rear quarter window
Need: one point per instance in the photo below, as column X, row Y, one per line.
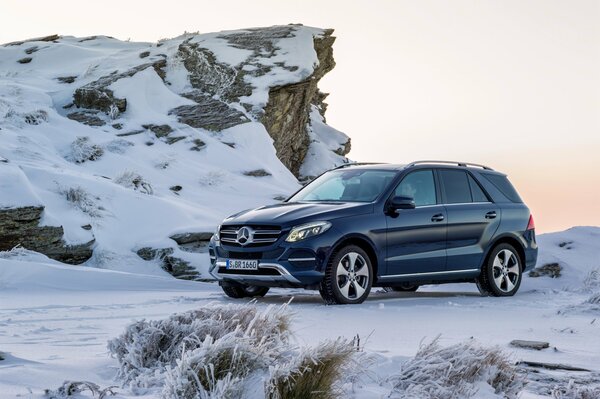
column 501, row 183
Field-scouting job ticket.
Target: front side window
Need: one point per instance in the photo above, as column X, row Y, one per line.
column 455, row 186
column 347, row 185
column 419, row 185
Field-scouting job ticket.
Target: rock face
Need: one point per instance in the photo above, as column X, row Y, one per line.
column 20, row 226
column 287, row 112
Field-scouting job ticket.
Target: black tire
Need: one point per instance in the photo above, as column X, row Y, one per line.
column 357, row 280
column 504, row 277
column 406, row 287
column 244, row 291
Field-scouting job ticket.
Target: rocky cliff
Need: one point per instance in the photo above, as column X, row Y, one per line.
column 126, row 145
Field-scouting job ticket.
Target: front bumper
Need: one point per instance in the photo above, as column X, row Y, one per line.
column 298, row 265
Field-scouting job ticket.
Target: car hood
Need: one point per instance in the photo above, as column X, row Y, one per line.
column 294, row 213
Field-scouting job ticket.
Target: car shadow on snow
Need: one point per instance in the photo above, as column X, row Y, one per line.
column 313, row 297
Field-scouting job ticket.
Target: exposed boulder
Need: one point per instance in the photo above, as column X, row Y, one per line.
column 25, row 60
column 50, row 38
column 97, row 95
column 257, row 173
column 173, row 265
column 89, row 118
column 208, row 113
column 20, row 226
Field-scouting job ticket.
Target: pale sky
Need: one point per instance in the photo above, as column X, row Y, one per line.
column 512, row 84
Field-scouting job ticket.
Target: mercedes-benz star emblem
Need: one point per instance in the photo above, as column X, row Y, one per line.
column 244, row 236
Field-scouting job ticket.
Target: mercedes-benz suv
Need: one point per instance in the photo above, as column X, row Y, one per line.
column 377, row 225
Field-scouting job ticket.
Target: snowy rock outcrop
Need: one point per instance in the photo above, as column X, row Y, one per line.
column 139, row 142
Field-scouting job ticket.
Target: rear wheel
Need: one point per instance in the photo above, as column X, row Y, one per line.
column 502, row 273
column 244, row 291
column 406, row 287
column 348, row 277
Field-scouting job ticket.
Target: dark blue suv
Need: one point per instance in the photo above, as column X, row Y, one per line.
column 394, row 226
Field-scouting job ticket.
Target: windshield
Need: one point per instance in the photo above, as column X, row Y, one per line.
column 346, row 185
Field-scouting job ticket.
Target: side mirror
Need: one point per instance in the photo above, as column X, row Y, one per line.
column 402, row 202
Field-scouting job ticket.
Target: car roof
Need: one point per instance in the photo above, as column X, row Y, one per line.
column 399, row 167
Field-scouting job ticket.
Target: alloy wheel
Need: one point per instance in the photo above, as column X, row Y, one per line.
column 506, row 270
column 352, row 275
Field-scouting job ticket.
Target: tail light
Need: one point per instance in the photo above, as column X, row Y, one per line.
column 531, row 223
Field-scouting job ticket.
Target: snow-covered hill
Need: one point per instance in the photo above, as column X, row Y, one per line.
column 55, row 321
column 127, row 144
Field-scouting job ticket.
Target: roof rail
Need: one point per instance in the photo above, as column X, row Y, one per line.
column 465, row 164
column 356, row 164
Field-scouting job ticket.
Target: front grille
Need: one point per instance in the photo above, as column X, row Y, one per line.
column 259, row 272
column 263, row 235
column 274, row 254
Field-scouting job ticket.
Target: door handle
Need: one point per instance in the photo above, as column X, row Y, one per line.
column 437, row 218
column 490, row 215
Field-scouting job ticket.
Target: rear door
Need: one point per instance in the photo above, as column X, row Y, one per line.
column 416, row 238
column 472, row 219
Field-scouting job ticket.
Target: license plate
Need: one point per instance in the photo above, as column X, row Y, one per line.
column 239, row 264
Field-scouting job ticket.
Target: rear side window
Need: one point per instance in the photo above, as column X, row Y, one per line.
column 477, row 192
column 502, row 184
column 455, row 185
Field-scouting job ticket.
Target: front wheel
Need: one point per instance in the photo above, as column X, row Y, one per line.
column 244, row 291
column 502, row 273
column 348, row 277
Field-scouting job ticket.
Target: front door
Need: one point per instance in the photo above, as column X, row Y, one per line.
column 416, row 238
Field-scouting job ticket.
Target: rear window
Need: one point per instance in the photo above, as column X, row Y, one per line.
column 502, row 184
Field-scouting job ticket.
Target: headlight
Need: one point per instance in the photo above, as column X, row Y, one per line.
column 216, row 236
column 305, row 231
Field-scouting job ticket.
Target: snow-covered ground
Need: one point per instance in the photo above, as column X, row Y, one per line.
column 141, row 174
column 55, row 320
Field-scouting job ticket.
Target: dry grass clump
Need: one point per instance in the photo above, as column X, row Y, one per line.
column 148, row 348
column 454, row 372
column 82, row 200
column 83, row 150
column 135, row 181
column 313, row 373
column 74, row 388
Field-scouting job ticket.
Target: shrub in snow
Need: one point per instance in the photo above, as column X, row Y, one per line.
column 591, row 282
column 83, row 150
column 82, row 200
column 455, row 371
column 217, row 367
column 148, row 348
column 135, row 181
column 74, row 388
column 313, row 373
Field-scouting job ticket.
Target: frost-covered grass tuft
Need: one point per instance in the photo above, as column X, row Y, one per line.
column 135, row 181
column 455, row 371
column 83, row 150
column 74, row 388
column 148, row 349
column 217, row 367
column 82, row 200
column 591, row 282
column 313, row 373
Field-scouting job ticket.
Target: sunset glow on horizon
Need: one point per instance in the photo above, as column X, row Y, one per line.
column 511, row 84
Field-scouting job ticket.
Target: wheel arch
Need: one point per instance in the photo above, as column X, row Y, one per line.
column 511, row 239
column 362, row 242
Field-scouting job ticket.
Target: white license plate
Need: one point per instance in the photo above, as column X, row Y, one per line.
column 239, row 264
